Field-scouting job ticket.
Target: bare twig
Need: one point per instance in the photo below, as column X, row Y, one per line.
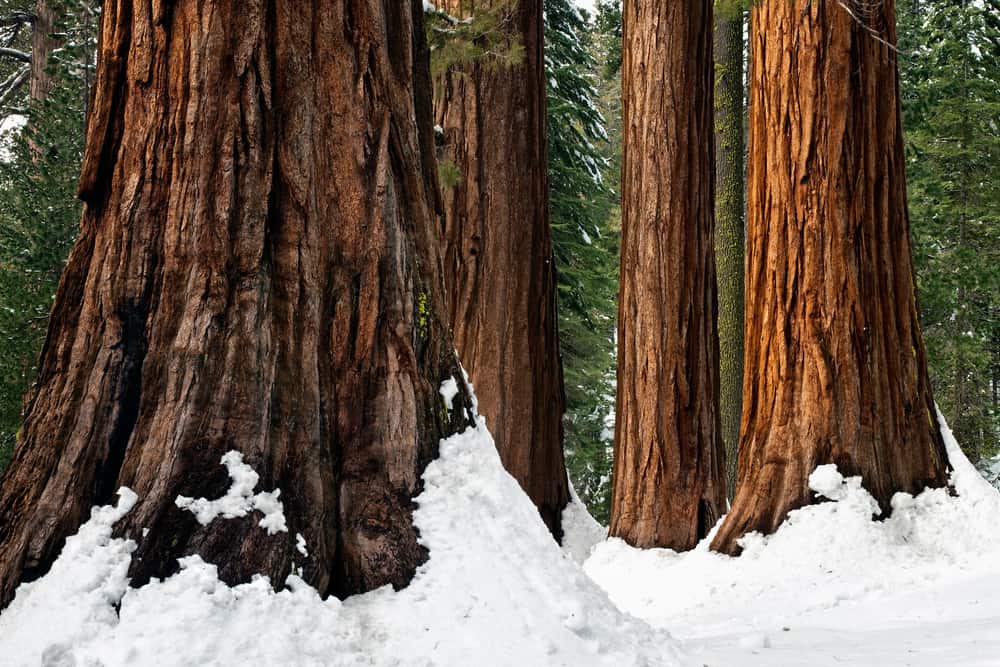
column 868, row 28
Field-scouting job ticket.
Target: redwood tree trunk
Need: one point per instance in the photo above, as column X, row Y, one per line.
column 729, row 215
column 669, row 486
column 835, row 366
column 498, row 256
column 256, row 244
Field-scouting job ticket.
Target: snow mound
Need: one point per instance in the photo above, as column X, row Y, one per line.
column 496, row 591
column 824, row 556
column 581, row 531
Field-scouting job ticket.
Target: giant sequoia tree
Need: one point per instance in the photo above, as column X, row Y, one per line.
column 256, row 270
column 498, row 253
column 668, row 487
column 835, row 365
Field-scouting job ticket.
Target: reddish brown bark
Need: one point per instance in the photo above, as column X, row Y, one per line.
column 835, row 365
column 498, row 257
column 256, row 245
column 669, row 484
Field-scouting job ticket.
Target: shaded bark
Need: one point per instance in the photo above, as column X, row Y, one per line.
column 239, row 284
column 836, row 370
column 498, row 256
column 669, row 484
column 43, row 43
column 729, row 227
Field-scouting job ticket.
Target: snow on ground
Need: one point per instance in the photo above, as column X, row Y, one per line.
column 832, row 586
column 581, row 532
column 497, row 590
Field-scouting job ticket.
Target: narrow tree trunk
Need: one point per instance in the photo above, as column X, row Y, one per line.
column 42, row 46
column 498, row 256
column 669, row 483
column 729, row 211
column 836, row 370
column 257, row 270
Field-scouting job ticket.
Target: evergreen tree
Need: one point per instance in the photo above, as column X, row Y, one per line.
column 16, row 19
column 39, row 210
column 585, row 242
column 951, row 83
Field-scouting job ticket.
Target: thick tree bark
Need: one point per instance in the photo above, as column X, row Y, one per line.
column 729, row 212
column 669, row 484
column 257, row 270
column 42, row 46
column 835, row 367
column 498, row 257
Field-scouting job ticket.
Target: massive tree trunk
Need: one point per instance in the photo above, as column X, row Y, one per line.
column 257, row 270
column 498, row 255
column 669, row 485
column 729, row 210
column 835, row 366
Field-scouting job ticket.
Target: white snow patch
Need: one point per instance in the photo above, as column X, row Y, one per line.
column 497, row 590
column 448, row 391
column 300, row 545
column 581, row 531
column 833, row 585
column 75, row 601
column 240, row 499
column 827, row 481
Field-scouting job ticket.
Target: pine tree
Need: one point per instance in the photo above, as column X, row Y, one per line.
column 17, row 32
column 39, row 211
column 951, row 82
column 585, row 241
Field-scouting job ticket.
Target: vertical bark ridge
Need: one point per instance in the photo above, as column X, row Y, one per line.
column 669, row 485
column 836, row 370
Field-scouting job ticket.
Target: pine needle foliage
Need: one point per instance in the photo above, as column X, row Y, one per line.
column 950, row 69
column 585, row 234
column 482, row 33
column 39, row 210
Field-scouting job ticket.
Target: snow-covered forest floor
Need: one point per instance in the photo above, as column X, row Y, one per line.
column 832, row 587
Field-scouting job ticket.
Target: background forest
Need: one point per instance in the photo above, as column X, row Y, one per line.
column 950, row 87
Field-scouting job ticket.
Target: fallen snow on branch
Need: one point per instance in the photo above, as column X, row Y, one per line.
column 240, row 499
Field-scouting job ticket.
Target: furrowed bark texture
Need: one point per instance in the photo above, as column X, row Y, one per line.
column 729, row 216
column 257, row 270
column 42, row 45
column 498, row 257
column 668, row 488
column 836, row 370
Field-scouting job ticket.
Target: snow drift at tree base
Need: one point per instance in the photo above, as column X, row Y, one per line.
column 832, row 586
column 497, row 590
